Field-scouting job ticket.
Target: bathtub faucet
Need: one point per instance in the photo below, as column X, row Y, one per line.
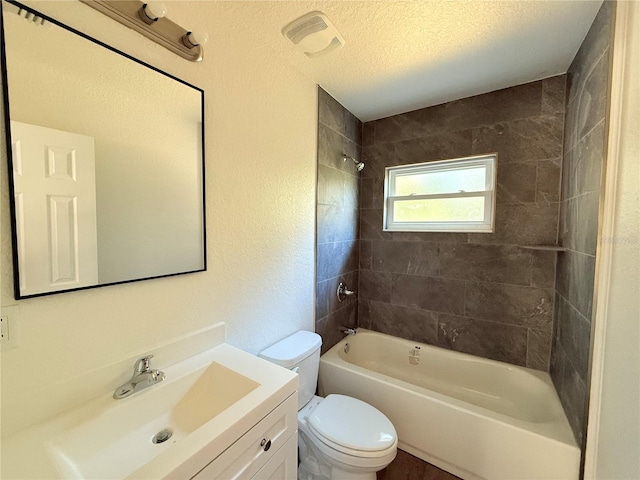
column 348, row 330
column 343, row 291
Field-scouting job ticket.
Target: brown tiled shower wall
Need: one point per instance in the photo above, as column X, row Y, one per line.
column 339, row 132
column 479, row 293
column 482, row 294
column 584, row 157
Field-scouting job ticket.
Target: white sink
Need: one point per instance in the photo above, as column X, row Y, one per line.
column 207, row 401
column 125, row 431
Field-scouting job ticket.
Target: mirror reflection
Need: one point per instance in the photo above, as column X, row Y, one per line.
column 107, row 160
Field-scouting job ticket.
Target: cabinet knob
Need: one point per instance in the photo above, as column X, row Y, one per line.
column 265, row 444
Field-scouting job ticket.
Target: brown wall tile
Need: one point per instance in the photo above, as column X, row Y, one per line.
column 506, row 343
column 543, row 268
column 415, row 124
column 574, row 332
column 589, row 161
column 366, row 255
column 534, row 138
column 512, row 103
column 486, row 263
column 548, row 177
column 516, row 183
column 404, row 322
column 336, row 224
column 575, row 275
column 428, row 293
column 331, row 147
column 530, row 307
column 371, row 225
column 573, row 397
column 376, row 157
column 364, row 320
column 413, row 258
column 329, row 327
column 525, row 224
column 368, row 133
column 538, row 349
column 594, row 45
column 375, row 286
column 336, row 258
column 439, row 147
column 553, row 94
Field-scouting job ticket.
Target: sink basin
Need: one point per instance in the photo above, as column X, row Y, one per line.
column 118, row 440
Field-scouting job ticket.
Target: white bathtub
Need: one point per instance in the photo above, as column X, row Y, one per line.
column 473, row 417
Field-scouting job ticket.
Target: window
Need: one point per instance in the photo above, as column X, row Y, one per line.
column 446, row 196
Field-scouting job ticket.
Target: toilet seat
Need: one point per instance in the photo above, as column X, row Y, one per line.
column 352, row 427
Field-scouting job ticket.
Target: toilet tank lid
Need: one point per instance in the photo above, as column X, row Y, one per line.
column 293, row 349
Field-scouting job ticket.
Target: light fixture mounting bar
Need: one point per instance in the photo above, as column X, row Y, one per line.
column 163, row 31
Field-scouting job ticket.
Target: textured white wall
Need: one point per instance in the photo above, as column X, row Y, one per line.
column 260, row 148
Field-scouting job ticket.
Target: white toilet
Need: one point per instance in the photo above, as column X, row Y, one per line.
column 339, row 437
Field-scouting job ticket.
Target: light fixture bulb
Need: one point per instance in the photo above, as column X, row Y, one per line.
column 193, row 39
column 152, row 11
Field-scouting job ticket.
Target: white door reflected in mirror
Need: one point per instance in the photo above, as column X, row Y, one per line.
column 55, row 198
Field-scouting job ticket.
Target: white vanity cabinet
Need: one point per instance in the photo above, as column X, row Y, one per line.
column 267, row 451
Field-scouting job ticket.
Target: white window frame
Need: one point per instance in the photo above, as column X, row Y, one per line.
column 489, row 161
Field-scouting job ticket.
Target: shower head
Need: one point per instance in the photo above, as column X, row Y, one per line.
column 359, row 165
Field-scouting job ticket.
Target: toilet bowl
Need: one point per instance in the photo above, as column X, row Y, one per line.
column 339, row 437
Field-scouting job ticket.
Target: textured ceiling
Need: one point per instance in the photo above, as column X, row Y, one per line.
column 404, row 55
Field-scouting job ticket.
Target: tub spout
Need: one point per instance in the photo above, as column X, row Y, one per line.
column 348, row 330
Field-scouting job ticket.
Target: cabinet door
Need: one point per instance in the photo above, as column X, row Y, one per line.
column 249, row 453
column 283, row 465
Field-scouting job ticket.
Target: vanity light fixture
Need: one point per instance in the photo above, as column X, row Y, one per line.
column 193, row 39
column 152, row 11
column 26, row 14
column 148, row 18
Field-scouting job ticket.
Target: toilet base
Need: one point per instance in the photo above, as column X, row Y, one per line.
column 306, row 473
column 310, row 469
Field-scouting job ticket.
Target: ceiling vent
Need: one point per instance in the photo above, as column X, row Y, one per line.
column 313, row 34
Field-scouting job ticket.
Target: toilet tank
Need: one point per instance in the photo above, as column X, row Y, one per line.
column 299, row 351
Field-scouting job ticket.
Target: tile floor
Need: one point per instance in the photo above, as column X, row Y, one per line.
column 408, row 467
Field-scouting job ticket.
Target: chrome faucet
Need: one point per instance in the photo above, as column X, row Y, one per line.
column 348, row 330
column 343, row 291
column 143, row 377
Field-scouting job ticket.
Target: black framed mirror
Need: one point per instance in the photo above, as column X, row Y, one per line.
column 106, row 161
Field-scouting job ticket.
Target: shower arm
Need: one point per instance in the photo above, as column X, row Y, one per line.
column 359, row 165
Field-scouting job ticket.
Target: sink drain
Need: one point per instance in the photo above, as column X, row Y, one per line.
column 162, row 436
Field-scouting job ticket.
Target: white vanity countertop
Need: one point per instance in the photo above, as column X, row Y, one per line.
column 35, row 452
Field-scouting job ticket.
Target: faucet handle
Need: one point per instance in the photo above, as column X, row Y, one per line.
column 142, row 365
column 343, row 291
